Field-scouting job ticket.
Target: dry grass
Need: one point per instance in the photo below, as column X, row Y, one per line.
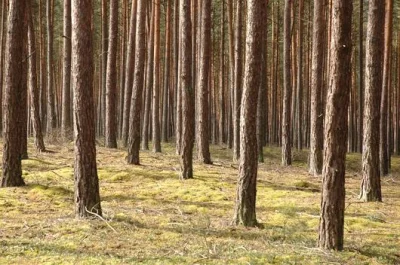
column 152, row 217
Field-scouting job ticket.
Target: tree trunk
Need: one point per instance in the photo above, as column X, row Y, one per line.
column 202, row 131
column 371, row 182
column 187, row 91
column 103, row 75
column 361, row 78
column 51, row 113
column 130, row 69
column 331, row 224
column 222, row 100
column 66, row 98
column 300, row 77
column 32, row 83
column 149, row 81
column 287, row 87
column 237, row 87
column 245, row 209
column 136, row 101
column 317, row 80
column 13, row 90
column 178, row 102
column 87, row 197
column 111, row 78
column 156, row 76
column 231, row 73
column 384, row 154
column 167, row 74
column 2, row 44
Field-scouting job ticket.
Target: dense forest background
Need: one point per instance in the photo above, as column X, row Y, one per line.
column 178, row 113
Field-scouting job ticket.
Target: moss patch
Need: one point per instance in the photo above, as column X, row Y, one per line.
column 152, row 217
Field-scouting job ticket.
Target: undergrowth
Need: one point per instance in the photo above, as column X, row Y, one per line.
column 152, row 217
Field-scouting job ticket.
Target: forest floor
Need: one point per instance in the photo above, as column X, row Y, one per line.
column 152, row 217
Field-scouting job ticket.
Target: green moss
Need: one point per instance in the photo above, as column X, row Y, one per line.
column 156, row 218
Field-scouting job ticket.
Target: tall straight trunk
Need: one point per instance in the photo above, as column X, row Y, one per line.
column 23, row 96
column 42, row 69
column 371, row 182
column 156, row 76
column 384, row 154
column 221, row 125
column 111, row 78
column 287, row 87
column 187, row 91
column 231, row 73
column 32, row 83
column 3, row 25
column 245, row 209
column 104, row 52
column 361, row 78
column 14, row 87
column 300, row 77
column 66, row 120
column 202, row 130
column 177, row 68
column 129, row 70
column 87, row 196
column 51, row 114
column 167, row 74
column 136, row 101
column 331, row 225
column 237, row 87
column 262, row 115
column 397, row 99
column 316, row 139
column 122, row 61
column 149, row 81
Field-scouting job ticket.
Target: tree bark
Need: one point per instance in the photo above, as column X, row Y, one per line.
column 130, row 69
column 167, row 73
column 2, row 46
column 317, row 80
column 136, row 100
column 51, row 114
column 202, row 131
column 87, row 197
column 237, row 86
column 66, row 96
column 32, row 83
column 371, row 183
column 222, row 100
column 156, row 85
column 361, row 78
column 111, row 78
column 287, row 87
column 14, row 86
column 331, row 224
column 149, row 81
column 178, row 102
column 187, row 91
column 245, row 209
column 384, row 153
column 300, row 77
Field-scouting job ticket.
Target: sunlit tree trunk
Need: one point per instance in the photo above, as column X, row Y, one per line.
column 331, row 225
column 136, row 101
column 245, row 209
column 371, row 182
column 287, row 87
column 87, row 197
column 187, row 91
column 32, row 83
column 111, row 78
column 14, row 87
